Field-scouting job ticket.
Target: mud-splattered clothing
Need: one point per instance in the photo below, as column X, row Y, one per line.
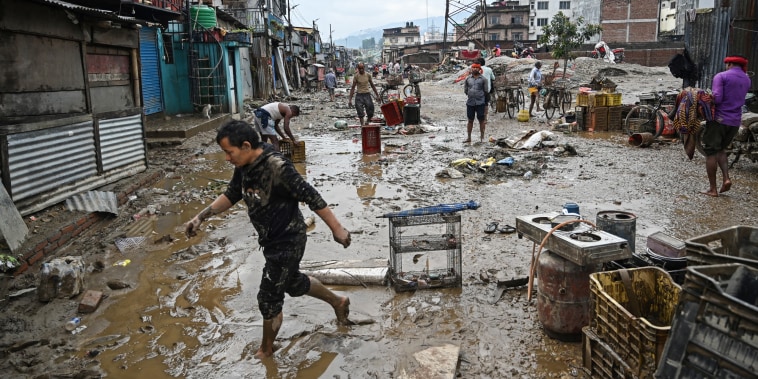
column 272, row 190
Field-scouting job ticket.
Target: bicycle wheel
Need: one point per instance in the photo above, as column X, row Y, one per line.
column 383, row 96
column 550, row 104
column 521, row 100
column 640, row 119
column 565, row 101
column 513, row 105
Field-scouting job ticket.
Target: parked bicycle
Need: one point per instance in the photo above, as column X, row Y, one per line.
column 412, row 88
column 557, row 97
column 509, row 91
column 645, row 118
column 391, row 88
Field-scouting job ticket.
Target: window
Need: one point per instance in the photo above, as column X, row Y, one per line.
column 409, row 39
column 564, row 5
column 531, row 5
column 541, row 21
column 517, row 20
column 494, row 20
column 393, row 40
column 168, row 48
column 673, row 5
column 543, row 5
column 494, row 36
column 518, row 36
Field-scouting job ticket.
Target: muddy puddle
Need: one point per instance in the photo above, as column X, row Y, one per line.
column 190, row 310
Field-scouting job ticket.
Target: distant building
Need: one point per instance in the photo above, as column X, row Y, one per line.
column 397, row 38
column 668, row 16
column 501, row 21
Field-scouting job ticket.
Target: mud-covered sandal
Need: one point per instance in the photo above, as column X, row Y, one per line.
column 491, row 227
column 507, row 229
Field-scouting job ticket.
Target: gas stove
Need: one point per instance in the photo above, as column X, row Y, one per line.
column 583, row 245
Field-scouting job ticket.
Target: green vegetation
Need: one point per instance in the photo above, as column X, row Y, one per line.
column 562, row 36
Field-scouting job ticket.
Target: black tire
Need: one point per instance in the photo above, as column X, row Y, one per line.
column 659, row 124
column 566, row 101
column 512, row 104
column 521, row 100
column 550, row 105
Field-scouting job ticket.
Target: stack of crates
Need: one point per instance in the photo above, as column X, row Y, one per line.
column 630, row 318
column 715, row 331
column 601, row 110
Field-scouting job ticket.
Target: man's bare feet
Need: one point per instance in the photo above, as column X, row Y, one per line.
column 342, row 310
column 726, row 186
column 467, row 141
column 260, row 354
column 711, row 193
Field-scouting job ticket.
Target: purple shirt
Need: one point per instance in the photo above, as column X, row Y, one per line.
column 729, row 90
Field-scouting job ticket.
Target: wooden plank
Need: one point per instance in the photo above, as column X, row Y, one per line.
column 12, row 224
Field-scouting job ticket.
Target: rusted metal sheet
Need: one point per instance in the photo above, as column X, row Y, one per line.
column 121, row 142
column 43, row 160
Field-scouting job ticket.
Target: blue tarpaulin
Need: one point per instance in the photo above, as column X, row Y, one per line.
column 433, row 209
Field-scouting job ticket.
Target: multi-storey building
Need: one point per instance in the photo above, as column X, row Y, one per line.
column 397, row 38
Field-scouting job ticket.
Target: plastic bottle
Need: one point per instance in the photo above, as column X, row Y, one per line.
column 528, row 175
column 73, row 323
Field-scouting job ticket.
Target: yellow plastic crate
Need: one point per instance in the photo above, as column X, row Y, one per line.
column 597, row 99
column 613, row 99
column 295, row 154
column 582, row 99
column 635, row 325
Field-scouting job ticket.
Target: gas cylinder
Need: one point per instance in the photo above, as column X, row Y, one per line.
column 563, row 300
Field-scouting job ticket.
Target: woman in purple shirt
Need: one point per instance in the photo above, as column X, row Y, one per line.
column 729, row 90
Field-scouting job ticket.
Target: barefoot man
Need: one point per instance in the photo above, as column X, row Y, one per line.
column 729, row 90
column 272, row 190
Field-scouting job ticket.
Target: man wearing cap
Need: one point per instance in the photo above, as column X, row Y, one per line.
column 475, row 87
column 729, row 89
column 496, row 51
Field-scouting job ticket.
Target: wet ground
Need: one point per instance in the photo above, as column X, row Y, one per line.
column 189, row 309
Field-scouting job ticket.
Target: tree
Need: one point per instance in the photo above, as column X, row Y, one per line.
column 563, row 36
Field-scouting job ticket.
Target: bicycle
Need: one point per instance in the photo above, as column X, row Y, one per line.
column 645, row 118
column 412, row 88
column 511, row 92
column 558, row 96
column 391, row 88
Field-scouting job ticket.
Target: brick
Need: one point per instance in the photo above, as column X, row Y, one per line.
column 81, row 221
column 21, row 269
column 67, row 229
column 90, row 301
column 54, row 237
column 34, row 258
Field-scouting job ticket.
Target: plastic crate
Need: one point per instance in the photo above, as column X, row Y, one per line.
column 635, row 326
column 371, row 140
column 597, row 99
column 736, row 244
column 392, row 114
column 613, row 99
column 614, row 118
column 597, row 119
column 294, row 152
column 582, row 99
column 599, row 359
column 715, row 331
column 581, row 117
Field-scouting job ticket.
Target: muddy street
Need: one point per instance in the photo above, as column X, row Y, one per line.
column 188, row 309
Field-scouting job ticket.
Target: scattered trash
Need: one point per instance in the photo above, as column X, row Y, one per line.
column 8, row 263
column 528, row 175
column 73, row 324
column 93, row 201
column 449, row 173
column 129, row 243
column 123, row 263
column 506, row 161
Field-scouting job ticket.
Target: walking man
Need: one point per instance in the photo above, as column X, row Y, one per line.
column 729, row 90
column 364, row 105
column 272, row 190
column 330, row 82
column 475, row 87
column 275, row 112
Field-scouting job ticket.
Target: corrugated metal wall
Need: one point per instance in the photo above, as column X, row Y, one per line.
column 152, row 99
column 713, row 35
column 43, row 160
column 121, row 142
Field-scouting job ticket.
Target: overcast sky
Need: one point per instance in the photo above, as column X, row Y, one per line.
column 352, row 16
